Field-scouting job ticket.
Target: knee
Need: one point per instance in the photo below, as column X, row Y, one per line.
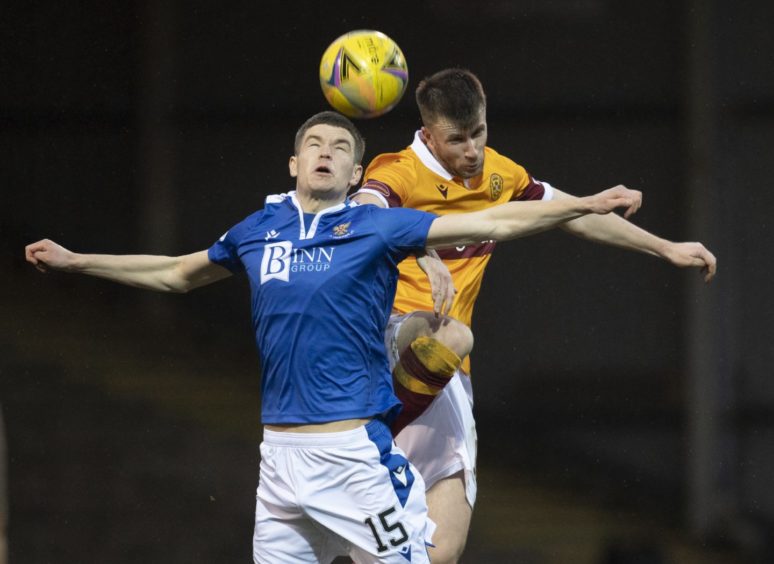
column 456, row 336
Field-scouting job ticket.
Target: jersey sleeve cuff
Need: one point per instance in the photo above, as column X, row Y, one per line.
column 548, row 191
column 370, row 192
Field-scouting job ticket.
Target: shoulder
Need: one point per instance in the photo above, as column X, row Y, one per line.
column 394, row 217
column 390, row 176
column 402, row 163
column 502, row 161
column 506, row 166
column 273, row 204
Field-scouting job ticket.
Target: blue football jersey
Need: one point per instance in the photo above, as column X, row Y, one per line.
column 321, row 295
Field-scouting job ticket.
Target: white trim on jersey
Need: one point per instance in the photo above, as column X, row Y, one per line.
column 374, row 193
column 427, row 158
column 303, row 233
column 548, row 190
column 276, row 198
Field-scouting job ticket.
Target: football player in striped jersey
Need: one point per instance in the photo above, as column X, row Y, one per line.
column 449, row 169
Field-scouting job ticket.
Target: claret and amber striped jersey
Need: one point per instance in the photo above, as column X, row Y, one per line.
column 414, row 178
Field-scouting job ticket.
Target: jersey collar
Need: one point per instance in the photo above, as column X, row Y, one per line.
column 303, row 233
column 427, row 158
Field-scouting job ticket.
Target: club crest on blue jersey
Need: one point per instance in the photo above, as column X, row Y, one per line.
column 280, row 259
column 342, row 230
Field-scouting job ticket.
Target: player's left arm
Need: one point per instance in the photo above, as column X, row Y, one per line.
column 614, row 230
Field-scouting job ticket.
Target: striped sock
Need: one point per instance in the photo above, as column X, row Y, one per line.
column 422, row 371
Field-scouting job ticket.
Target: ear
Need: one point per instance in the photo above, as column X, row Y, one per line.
column 427, row 137
column 357, row 173
column 293, row 166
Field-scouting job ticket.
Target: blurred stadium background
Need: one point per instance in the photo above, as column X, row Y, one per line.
column 626, row 412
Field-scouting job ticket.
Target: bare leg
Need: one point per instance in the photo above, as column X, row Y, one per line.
column 447, row 503
column 449, row 508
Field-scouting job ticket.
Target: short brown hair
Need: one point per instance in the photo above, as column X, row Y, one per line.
column 455, row 94
column 336, row 120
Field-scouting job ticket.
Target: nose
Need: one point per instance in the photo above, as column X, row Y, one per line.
column 470, row 150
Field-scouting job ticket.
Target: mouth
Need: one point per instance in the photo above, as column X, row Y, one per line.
column 473, row 169
column 323, row 170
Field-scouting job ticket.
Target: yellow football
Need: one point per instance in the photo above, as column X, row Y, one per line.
column 363, row 74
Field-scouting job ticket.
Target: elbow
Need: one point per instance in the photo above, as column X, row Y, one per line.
column 173, row 285
column 181, row 287
column 178, row 289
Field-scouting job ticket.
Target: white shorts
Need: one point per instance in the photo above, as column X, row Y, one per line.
column 326, row 494
column 442, row 441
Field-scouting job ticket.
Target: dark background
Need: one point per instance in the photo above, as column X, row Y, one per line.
column 625, row 409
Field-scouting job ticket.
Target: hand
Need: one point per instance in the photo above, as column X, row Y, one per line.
column 46, row 254
column 617, row 197
column 692, row 255
column 441, row 283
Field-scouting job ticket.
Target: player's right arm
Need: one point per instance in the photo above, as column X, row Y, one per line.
column 518, row 219
column 149, row 272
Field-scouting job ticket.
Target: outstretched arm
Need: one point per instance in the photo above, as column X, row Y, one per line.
column 149, row 272
column 518, row 219
column 615, row 230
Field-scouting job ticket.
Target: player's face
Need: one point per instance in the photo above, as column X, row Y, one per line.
column 325, row 163
column 460, row 149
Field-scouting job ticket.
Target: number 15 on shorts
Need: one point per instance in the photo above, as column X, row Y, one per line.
column 384, row 531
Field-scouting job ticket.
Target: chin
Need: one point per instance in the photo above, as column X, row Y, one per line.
column 329, row 190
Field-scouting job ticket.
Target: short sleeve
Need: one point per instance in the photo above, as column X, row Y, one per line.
column 225, row 252
column 529, row 188
column 404, row 229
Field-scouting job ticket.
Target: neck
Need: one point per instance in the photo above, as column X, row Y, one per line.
column 314, row 203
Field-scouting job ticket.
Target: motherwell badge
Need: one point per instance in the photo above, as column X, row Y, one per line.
column 495, row 186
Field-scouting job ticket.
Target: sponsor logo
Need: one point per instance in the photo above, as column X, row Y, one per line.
column 444, row 190
column 495, row 186
column 271, row 234
column 280, row 259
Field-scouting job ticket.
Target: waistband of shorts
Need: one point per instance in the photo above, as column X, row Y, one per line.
column 339, row 438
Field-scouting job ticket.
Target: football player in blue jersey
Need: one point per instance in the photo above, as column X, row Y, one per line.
column 331, row 479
